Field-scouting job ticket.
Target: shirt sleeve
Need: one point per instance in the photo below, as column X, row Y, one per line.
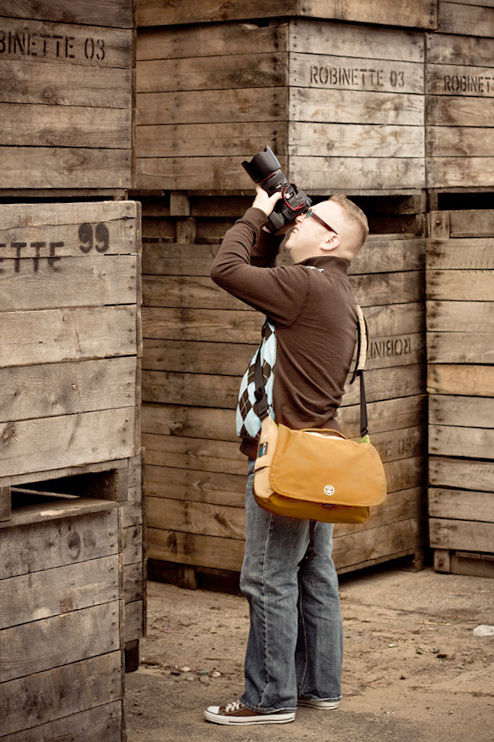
column 244, row 266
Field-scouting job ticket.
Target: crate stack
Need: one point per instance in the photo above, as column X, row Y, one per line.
column 71, row 525
column 340, row 98
column 460, row 325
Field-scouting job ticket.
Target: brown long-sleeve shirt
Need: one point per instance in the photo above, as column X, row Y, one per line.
column 311, row 304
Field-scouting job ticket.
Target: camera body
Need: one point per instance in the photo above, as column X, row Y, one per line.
column 265, row 170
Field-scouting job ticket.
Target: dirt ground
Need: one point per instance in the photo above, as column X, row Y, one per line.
column 413, row 668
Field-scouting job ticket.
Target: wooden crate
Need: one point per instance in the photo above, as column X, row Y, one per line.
column 197, row 343
column 460, row 324
column 460, row 105
column 66, row 99
column 61, row 623
column 70, row 363
column 342, row 105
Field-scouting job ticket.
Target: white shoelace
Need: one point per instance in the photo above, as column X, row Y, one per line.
column 235, row 706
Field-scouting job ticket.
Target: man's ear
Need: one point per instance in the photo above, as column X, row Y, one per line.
column 331, row 242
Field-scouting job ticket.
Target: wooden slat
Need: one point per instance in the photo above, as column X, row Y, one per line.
column 461, row 254
column 449, row 472
column 194, row 549
column 464, row 50
column 461, row 18
column 68, row 388
column 196, row 518
column 52, row 167
column 117, row 13
column 54, row 592
column 461, row 535
column 457, row 172
column 69, row 440
column 87, row 726
column 370, row 173
column 451, row 440
column 5, row 503
column 36, row 699
column 463, row 285
column 53, row 336
column 67, row 541
column 357, row 548
column 460, row 347
column 59, row 640
column 354, row 140
column 472, row 380
column 43, row 126
column 462, row 411
column 461, row 504
column 58, row 282
column 462, row 316
column 458, row 141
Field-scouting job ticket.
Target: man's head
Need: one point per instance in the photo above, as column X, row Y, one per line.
column 334, row 227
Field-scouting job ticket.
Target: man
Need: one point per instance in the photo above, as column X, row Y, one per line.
column 294, row 650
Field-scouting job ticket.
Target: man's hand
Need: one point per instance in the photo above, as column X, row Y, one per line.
column 264, row 202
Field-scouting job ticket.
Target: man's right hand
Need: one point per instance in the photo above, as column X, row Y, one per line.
column 264, row 202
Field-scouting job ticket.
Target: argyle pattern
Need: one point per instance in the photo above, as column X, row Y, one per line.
column 247, row 420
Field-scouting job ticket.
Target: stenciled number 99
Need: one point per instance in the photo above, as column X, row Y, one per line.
column 94, row 236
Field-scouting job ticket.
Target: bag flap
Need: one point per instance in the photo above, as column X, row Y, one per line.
column 327, row 469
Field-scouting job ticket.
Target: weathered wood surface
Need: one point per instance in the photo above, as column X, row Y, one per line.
column 113, row 13
column 421, row 14
column 461, row 534
column 462, row 411
column 93, row 725
column 468, row 17
column 61, row 691
column 449, row 472
column 461, row 504
column 460, row 379
column 348, row 119
column 5, row 503
column 65, row 97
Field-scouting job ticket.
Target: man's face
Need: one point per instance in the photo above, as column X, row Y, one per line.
column 308, row 235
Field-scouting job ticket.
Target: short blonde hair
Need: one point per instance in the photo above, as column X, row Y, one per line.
column 354, row 214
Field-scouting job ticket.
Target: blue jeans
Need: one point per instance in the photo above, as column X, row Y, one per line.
column 295, row 644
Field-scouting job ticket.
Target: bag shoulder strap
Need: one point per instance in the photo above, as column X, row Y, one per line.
column 360, row 363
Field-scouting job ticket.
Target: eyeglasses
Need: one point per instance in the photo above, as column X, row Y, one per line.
column 311, row 213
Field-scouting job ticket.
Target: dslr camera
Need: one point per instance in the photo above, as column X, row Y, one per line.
column 265, row 170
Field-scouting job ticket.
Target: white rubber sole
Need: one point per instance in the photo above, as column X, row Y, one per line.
column 211, row 714
column 316, row 704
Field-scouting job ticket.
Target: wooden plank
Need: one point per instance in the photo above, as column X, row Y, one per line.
column 472, row 223
column 362, row 546
column 67, row 335
column 54, row 592
column 468, row 379
column 78, row 86
column 218, row 106
column 86, row 726
column 217, row 140
column 421, row 14
column 196, row 518
column 458, row 141
column 42, row 126
column 59, row 640
column 471, row 442
column 462, row 285
column 134, row 621
column 42, row 697
column 69, row 440
column 350, row 40
column 66, row 225
column 29, row 549
column 449, row 472
column 465, row 19
column 461, row 504
column 461, row 254
column 461, row 316
column 35, row 284
column 213, row 39
column 348, row 173
column 462, row 50
column 217, row 424
column 52, row 167
column 461, row 534
column 462, row 411
column 455, row 110
column 404, row 505
column 39, row 42
column 453, row 172
column 252, row 70
column 354, row 140
column 57, row 389
column 194, row 549
column 196, row 486
column 460, row 347
column 116, row 13
column 5, row 503
column 355, row 107
column 460, row 80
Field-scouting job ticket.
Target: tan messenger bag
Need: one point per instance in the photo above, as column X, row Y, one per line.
column 318, row 474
